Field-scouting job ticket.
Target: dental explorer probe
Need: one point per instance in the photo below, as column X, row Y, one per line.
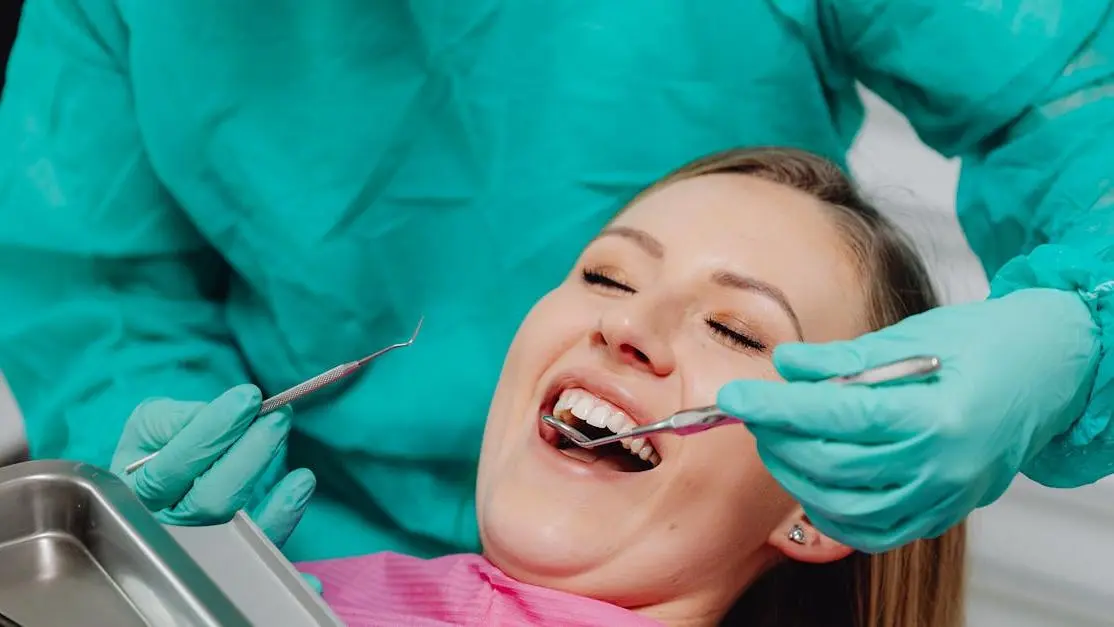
column 689, row 421
column 307, row 387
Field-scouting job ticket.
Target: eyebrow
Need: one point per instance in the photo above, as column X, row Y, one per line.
column 730, row 279
column 644, row 240
column 652, row 247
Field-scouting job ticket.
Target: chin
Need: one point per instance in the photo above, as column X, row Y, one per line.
column 551, row 554
column 536, row 536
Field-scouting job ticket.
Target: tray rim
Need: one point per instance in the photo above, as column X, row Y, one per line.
column 188, row 578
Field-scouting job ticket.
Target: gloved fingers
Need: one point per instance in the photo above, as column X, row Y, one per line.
column 821, row 502
column 227, row 486
column 214, row 428
column 281, row 510
column 826, row 411
column 799, row 361
column 155, row 422
column 924, row 523
column 203, row 437
column 833, row 510
column 935, row 521
column 864, row 539
column 873, row 521
column 313, row 582
column 944, row 517
column 837, row 464
column 200, row 442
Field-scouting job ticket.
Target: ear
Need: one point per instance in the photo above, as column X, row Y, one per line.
column 798, row 540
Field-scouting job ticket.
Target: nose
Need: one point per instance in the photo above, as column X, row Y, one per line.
column 629, row 337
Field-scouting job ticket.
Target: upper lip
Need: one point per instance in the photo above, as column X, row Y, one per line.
column 604, row 387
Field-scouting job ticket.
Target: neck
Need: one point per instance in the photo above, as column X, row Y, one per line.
column 705, row 604
column 684, row 613
column 709, row 603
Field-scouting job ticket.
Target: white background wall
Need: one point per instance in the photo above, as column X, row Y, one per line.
column 1039, row 557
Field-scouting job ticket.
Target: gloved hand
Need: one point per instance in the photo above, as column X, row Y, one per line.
column 313, row 582
column 211, row 458
column 877, row 467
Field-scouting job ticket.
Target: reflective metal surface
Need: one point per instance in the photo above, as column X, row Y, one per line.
column 77, row 548
column 698, row 419
column 307, row 387
column 13, row 440
column 254, row 574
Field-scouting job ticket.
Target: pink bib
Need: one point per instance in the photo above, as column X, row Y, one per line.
column 391, row 590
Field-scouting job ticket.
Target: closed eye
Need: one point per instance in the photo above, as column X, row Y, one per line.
column 599, row 279
column 737, row 338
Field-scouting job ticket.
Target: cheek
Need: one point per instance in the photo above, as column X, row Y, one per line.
column 734, row 456
column 555, row 323
column 723, row 465
column 740, row 502
column 553, row 326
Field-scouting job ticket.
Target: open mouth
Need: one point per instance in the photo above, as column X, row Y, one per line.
column 595, row 417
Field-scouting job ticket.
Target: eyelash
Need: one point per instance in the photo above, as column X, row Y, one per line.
column 741, row 340
column 596, row 277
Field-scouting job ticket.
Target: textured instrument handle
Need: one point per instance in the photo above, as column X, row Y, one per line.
column 310, row 386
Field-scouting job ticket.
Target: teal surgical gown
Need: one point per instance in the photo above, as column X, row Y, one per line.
column 199, row 193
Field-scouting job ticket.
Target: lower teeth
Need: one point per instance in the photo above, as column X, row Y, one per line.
column 614, row 454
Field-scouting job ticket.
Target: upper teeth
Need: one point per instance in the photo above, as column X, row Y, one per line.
column 599, row 413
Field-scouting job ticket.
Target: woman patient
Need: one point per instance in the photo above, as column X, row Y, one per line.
column 692, row 285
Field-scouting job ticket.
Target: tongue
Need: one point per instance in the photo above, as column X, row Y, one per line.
column 589, row 456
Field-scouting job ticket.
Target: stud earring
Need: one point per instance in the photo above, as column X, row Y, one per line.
column 797, row 534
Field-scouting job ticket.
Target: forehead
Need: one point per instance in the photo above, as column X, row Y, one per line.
column 762, row 229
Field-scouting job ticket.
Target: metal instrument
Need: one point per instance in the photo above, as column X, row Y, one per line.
column 691, row 421
column 306, row 387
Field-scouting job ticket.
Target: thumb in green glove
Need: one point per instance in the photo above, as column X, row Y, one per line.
column 211, row 458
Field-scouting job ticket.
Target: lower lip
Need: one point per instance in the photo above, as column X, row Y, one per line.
column 569, row 465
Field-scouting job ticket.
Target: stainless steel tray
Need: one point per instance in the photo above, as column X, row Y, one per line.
column 77, row 548
column 254, row 574
column 13, row 439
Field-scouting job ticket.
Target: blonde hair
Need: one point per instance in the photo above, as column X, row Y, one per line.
column 922, row 583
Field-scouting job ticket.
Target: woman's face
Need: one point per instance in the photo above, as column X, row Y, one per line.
column 691, row 287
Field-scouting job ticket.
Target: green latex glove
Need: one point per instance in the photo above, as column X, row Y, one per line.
column 877, row 467
column 313, row 582
column 211, row 458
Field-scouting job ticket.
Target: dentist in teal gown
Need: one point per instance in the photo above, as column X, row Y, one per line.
column 196, row 194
